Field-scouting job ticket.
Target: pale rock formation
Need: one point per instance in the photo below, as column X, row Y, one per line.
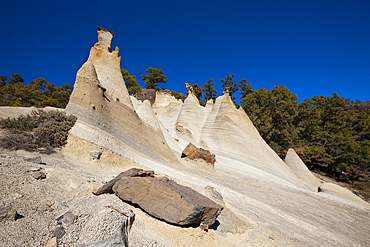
column 135, row 102
column 226, row 132
column 107, row 65
column 209, row 103
column 343, row 193
column 146, row 114
column 300, row 169
column 255, row 183
column 167, row 109
column 189, row 121
column 105, row 113
column 230, row 135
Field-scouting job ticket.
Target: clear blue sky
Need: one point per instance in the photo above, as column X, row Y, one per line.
column 312, row 47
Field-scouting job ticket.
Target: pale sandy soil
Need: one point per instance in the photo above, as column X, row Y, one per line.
column 68, row 187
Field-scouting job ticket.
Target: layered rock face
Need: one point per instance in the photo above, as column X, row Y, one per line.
column 107, row 65
column 105, row 113
column 224, row 130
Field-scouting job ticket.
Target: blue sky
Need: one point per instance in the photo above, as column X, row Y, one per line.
column 311, row 47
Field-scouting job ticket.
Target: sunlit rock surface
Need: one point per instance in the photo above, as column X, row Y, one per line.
column 300, row 169
column 281, row 208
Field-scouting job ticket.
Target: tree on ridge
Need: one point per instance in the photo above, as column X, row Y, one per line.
column 198, row 93
column 132, row 85
column 153, row 77
column 209, row 91
column 229, row 83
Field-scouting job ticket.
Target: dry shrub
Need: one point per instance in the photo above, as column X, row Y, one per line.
column 38, row 131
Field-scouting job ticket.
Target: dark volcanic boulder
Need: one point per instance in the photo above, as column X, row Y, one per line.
column 192, row 152
column 133, row 172
column 169, row 201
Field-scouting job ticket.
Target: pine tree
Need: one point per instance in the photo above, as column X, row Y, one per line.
column 208, row 90
column 132, row 85
column 153, row 77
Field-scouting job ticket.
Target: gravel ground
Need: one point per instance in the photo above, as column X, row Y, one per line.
column 66, row 188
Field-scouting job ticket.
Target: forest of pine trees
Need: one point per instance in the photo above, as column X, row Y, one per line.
column 39, row 92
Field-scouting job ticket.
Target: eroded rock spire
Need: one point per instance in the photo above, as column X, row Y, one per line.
column 107, row 64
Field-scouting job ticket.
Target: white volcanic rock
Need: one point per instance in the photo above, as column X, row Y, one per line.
column 343, row 193
column 228, row 133
column 107, row 65
column 167, row 109
column 190, row 121
column 254, row 182
column 300, row 169
column 135, row 102
column 108, row 121
column 146, row 114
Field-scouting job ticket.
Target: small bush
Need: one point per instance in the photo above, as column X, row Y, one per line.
column 38, row 131
column 22, row 123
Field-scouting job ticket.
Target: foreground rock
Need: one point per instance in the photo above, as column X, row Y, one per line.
column 192, row 152
column 8, row 213
column 163, row 198
column 120, row 237
column 33, row 158
column 38, row 175
column 133, row 172
column 228, row 220
column 167, row 200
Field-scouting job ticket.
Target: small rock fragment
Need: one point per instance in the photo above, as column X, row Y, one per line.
column 59, row 232
column 120, row 237
column 38, row 175
column 51, row 243
column 215, row 195
column 67, row 218
column 96, row 154
column 8, row 213
column 33, row 158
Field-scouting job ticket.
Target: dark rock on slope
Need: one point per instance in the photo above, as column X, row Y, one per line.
column 163, row 198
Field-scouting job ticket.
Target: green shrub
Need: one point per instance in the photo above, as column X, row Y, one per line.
column 38, row 131
column 22, row 123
